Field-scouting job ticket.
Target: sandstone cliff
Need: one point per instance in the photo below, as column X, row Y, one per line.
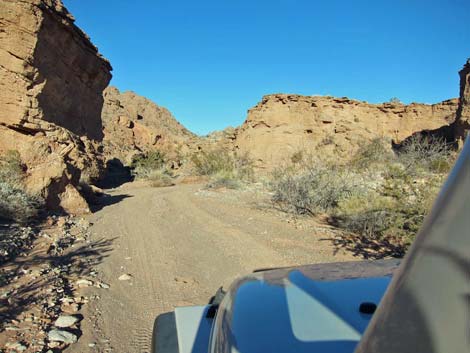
column 134, row 124
column 462, row 123
column 51, row 83
column 282, row 124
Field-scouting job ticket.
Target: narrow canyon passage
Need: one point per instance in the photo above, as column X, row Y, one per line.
column 179, row 244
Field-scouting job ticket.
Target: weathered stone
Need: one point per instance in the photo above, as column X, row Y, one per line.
column 62, row 336
column 64, row 321
column 125, row 277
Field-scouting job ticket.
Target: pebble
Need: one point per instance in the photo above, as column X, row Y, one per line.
column 84, row 283
column 61, row 336
column 125, row 277
column 103, row 285
column 66, row 321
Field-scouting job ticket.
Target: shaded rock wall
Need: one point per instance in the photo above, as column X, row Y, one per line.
column 282, row 124
column 51, row 83
column 462, row 123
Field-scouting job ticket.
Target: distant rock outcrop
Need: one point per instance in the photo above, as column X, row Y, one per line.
column 51, row 83
column 134, row 124
column 282, row 124
column 462, row 123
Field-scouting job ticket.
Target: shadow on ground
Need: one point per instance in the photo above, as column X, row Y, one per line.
column 371, row 249
column 106, row 200
column 115, row 175
column 74, row 263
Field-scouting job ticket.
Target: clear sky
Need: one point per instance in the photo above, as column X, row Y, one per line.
column 208, row 61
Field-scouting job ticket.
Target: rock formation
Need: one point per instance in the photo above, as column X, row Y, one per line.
column 134, row 124
column 462, row 123
column 51, row 83
column 282, row 124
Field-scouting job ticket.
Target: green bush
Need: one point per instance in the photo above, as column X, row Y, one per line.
column 146, row 162
column 224, row 168
column 151, row 166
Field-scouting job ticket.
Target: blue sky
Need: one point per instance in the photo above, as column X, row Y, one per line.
column 208, row 61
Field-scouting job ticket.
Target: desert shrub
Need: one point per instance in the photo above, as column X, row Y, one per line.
column 223, row 180
column 313, row 188
column 380, row 196
column 11, row 168
column 297, row 157
column 159, row 178
column 371, row 154
column 151, row 166
column 426, row 153
column 16, row 204
column 395, row 100
column 223, row 167
column 147, row 162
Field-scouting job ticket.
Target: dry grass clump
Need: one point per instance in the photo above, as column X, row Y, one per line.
column 379, row 197
column 225, row 169
column 151, row 166
column 15, row 203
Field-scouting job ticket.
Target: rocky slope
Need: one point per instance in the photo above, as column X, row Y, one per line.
column 282, row 124
column 51, row 83
column 462, row 124
column 134, row 124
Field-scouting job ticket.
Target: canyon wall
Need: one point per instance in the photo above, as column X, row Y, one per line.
column 462, row 123
column 282, row 124
column 51, row 83
column 134, row 124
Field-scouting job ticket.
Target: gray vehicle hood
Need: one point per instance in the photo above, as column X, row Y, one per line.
column 306, row 309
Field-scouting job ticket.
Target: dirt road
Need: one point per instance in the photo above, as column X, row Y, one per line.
column 180, row 244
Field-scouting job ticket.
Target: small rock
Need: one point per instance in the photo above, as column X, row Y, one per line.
column 66, row 321
column 125, row 277
column 84, row 283
column 61, row 336
column 103, row 285
column 16, row 346
column 92, row 344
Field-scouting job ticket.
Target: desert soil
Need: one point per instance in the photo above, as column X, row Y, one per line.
column 179, row 244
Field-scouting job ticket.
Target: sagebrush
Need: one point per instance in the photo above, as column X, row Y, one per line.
column 224, row 168
column 15, row 203
column 380, row 195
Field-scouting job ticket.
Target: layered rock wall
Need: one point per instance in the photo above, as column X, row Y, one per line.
column 51, row 83
column 282, row 124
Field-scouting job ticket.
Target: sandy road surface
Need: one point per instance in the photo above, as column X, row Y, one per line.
column 180, row 244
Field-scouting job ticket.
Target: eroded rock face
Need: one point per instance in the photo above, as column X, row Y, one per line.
column 462, row 123
column 283, row 124
column 134, row 124
column 51, row 83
